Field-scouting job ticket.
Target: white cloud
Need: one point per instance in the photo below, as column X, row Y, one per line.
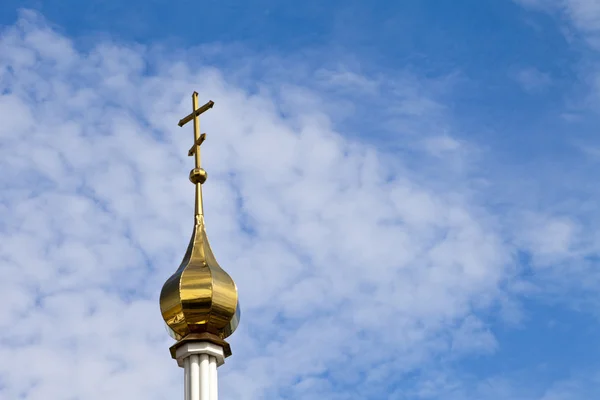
column 583, row 14
column 441, row 144
column 532, row 79
column 549, row 238
column 348, row 80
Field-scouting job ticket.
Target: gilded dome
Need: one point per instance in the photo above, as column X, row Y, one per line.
column 200, row 296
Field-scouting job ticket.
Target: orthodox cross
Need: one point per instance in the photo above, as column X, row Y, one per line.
column 198, row 174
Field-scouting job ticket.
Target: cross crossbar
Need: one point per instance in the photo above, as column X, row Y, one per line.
column 197, row 143
column 196, row 113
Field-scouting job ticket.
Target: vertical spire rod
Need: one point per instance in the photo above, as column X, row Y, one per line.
column 197, row 175
column 199, row 208
column 196, row 129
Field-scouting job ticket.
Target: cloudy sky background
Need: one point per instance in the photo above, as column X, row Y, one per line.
column 405, row 195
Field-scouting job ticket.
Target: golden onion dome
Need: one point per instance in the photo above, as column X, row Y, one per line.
column 200, row 297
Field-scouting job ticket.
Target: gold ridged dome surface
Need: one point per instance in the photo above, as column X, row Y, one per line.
column 200, row 297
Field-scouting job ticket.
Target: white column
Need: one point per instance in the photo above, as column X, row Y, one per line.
column 195, row 377
column 186, row 378
column 204, row 378
column 214, row 384
column 200, row 361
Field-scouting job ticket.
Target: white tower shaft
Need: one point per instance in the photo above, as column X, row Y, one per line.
column 200, row 361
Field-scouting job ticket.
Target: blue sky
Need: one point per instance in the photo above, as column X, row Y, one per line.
column 404, row 192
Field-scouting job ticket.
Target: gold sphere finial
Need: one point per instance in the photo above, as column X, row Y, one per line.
column 198, row 175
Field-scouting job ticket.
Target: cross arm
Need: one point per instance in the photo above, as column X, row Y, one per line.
column 196, row 113
column 198, row 142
